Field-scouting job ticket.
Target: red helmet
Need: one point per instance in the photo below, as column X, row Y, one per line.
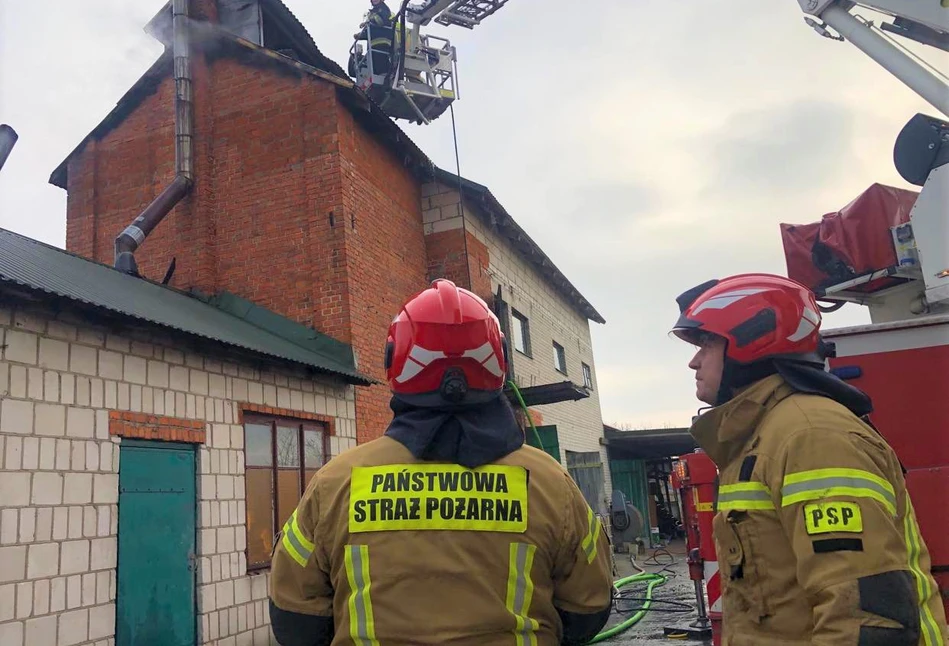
column 446, row 341
column 760, row 315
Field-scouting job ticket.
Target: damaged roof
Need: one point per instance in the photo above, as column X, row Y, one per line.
column 502, row 222
column 39, row 268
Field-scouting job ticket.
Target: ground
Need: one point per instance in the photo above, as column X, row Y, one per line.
column 678, row 589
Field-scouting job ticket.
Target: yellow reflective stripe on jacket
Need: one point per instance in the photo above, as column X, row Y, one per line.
column 825, row 483
column 362, row 626
column 744, row 495
column 931, row 633
column 296, row 544
column 593, row 535
column 520, row 590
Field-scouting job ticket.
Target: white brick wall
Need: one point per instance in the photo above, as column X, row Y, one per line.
column 551, row 318
column 59, row 475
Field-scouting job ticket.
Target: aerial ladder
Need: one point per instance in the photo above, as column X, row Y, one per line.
column 921, row 152
column 421, row 82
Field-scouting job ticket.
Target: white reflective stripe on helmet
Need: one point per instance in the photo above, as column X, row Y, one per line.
column 419, row 358
column 809, row 322
column 722, row 301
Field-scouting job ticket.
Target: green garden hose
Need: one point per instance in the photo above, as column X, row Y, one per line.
column 653, row 581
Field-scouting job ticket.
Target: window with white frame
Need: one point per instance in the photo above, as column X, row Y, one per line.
column 560, row 358
column 520, row 330
column 587, row 377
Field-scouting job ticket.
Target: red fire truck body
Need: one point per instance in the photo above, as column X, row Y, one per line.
column 904, row 367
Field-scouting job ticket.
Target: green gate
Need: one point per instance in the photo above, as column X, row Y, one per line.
column 155, row 596
column 629, row 476
column 548, row 436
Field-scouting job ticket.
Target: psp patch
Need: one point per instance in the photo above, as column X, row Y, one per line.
column 827, row 517
column 398, row 497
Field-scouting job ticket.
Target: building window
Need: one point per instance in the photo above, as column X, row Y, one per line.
column 280, row 457
column 521, row 332
column 586, row 469
column 560, row 358
column 587, row 377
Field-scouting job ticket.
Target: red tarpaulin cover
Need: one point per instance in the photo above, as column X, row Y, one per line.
column 856, row 238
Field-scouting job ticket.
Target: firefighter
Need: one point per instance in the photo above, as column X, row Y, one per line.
column 380, row 31
column 448, row 529
column 815, row 532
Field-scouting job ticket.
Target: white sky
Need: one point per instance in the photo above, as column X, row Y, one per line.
column 645, row 145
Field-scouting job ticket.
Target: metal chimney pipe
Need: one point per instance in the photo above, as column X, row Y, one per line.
column 8, row 138
column 134, row 234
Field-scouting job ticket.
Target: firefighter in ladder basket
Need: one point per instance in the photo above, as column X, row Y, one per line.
column 815, row 532
column 379, row 30
column 449, row 529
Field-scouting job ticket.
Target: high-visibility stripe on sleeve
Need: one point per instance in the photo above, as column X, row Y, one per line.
column 745, row 496
column 362, row 625
column 295, row 543
column 520, row 591
column 593, row 535
column 826, row 483
column 931, row 633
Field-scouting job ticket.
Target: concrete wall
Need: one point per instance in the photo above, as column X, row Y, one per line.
column 59, row 380
column 551, row 318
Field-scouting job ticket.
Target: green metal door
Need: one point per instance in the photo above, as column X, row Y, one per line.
column 549, row 439
column 155, row 602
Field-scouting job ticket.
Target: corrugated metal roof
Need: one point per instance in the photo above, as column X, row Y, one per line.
column 41, row 267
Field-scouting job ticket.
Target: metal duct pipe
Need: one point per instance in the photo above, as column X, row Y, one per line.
column 8, row 139
column 134, row 234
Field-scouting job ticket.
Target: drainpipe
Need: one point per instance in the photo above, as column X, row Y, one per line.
column 8, row 139
column 134, row 234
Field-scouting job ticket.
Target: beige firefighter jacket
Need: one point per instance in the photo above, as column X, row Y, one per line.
column 816, row 536
column 400, row 551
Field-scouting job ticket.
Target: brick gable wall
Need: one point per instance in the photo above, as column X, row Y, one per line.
column 295, row 206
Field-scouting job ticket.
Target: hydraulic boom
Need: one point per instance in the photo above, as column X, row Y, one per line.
column 925, row 21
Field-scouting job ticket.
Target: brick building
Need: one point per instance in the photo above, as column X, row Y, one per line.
column 305, row 199
column 308, row 200
column 311, row 218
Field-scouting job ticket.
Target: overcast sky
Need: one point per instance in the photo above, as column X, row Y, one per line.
column 646, row 145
